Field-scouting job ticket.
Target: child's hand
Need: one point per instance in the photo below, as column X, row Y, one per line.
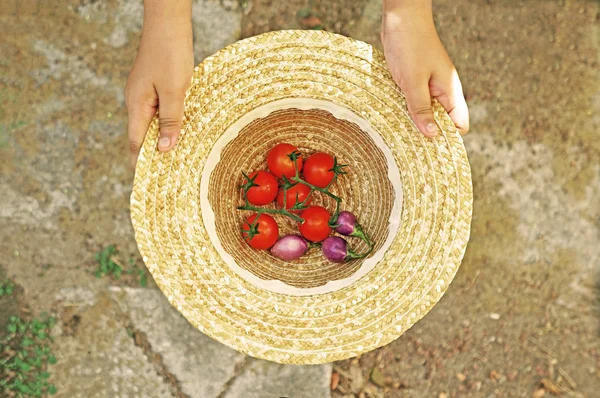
column 160, row 76
column 420, row 65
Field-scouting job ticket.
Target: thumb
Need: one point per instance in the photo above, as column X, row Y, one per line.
column 170, row 116
column 419, row 106
column 453, row 100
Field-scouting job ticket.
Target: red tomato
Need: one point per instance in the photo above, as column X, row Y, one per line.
column 318, row 169
column 297, row 193
column 266, row 189
column 279, row 161
column 316, row 223
column 263, row 235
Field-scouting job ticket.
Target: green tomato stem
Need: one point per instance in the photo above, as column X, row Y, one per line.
column 261, row 210
column 325, row 191
column 285, row 188
column 361, row 234
column 313, row 245
column 337, row 170
column 353, row 256
column 315, row 188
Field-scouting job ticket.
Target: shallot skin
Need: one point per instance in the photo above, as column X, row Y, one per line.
column 335, row 249
column 290, row 247
column 346, row 222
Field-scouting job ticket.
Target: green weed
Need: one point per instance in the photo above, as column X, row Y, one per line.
column 7, row 129
column 45, row 268
column 139, row 272
column 308, row 12
column 109, row 264
column 25, row 357
column 6, row 288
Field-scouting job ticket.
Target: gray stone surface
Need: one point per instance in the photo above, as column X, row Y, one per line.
column 216, row 23
column 66, row 184
column 202, row 365
column 368, row 27
column 215, row 26
column 206, row 368
column 130, row 342
column 98, row 359
column 524, row 303
column 262, row 379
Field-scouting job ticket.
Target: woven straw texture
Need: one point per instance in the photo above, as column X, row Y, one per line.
column 365, row 190
column 415, row 270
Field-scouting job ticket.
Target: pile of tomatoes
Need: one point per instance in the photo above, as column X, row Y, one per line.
column 287, row 165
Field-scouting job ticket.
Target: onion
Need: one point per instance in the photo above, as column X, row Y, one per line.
column 335, row 249
column 345, row 222
column 290, row 247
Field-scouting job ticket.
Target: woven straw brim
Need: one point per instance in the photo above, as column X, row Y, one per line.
column 192, row 266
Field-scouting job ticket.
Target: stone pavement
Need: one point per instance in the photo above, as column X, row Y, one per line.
column 522, row 311
column 131, row 342
column 66, row 186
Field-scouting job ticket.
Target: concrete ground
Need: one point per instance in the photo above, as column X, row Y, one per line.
column 521, row 317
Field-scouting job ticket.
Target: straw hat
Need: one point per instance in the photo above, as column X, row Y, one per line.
column 320, row 92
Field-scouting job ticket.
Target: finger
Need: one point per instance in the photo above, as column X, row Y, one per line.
column 139, row 118
column 170, row 117
column 419, row 106
column 453, row 100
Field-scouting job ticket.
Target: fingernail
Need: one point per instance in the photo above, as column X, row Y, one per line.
column 431, row 128
column 164, row 142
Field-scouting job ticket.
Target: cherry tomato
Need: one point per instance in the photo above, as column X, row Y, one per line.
column 279, row 161
column 266, row 189
column 316, row 223
column 297, row 193
column 263, row 235
column 318, row 169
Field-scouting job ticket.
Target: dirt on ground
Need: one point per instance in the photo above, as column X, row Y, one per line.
column 520, row 318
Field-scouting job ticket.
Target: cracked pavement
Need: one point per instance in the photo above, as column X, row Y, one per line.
column 523, row 308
